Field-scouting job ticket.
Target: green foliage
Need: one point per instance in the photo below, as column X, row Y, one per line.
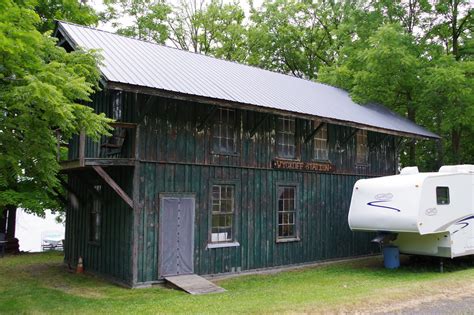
column 66, row 10
column 42, row 89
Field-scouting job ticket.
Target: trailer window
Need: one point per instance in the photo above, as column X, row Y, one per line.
column 442, row 195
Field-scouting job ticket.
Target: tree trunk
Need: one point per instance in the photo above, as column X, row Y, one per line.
column 11, row 223
column 456, row 144
column 412, row 147
column 3, row 221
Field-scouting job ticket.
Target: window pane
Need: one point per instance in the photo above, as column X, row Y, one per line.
column 286, row 212
column 362, row 152
column 223, row 212
column 285, row 137
column 442, row 195
column 223, row 131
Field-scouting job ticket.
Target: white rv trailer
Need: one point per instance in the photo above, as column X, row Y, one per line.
column 424, row 213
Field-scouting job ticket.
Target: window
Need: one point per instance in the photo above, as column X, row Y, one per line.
column 286, row 212
column 224, row 131
column 320, row 144
column 95, row 217
column 117, row 105
column 362, row 154
column 223, row 209
column 442, row 195
column 286, row 137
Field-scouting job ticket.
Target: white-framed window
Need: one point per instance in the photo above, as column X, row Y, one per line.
column 223, row 133
column 362, row 148
column 320, row 142
column 95, row 216
column 285, row 141
column 223, row 211
column 287, row 207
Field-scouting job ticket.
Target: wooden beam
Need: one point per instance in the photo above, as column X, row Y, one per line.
column 259, row 123
column 109, row 180
column 82, row 147
column 234, row 105
column 207, row 118
column 349, row 137
column 312, row 133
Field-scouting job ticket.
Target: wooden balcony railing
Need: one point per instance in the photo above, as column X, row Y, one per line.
column 116, row 149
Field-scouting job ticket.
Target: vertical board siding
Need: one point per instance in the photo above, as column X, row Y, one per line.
column 175, row 154
column 111, row 256
column 180, row 131
column 323, row 208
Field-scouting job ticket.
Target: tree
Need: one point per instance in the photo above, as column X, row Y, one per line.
column 149, row 18
column 67, row 10
column 42, row 89
column 213, row 28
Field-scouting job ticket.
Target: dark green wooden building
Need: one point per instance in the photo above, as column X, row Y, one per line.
column 216, row 167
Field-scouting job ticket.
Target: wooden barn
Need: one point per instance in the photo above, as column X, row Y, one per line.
column 216, row 167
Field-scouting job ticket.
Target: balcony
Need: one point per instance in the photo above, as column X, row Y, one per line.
column 115, row 150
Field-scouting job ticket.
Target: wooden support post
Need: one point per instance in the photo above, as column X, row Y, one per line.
column 82, row 148
column 109, row 180
column 312, row 133
column 207, row 118
column 259, row 123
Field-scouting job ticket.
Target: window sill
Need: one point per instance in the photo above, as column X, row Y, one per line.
column 288, row 240
column 222, row 245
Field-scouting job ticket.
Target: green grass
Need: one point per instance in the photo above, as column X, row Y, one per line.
column 40, row 283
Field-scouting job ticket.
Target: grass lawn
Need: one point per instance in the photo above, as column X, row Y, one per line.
column 40, row 283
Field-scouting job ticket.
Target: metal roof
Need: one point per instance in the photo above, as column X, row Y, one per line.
column 140, row 63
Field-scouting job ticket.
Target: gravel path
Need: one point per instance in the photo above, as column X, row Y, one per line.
column 464, row 305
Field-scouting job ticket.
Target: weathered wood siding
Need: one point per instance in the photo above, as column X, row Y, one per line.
column 112, row 254
column 176, row 156
column 170, row 133
column 323, row 207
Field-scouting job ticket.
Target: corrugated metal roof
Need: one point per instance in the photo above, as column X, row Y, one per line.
column 141, row 63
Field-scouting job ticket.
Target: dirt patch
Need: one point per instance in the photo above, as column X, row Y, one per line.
column 447, row 293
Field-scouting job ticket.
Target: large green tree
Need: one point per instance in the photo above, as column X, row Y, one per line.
column 43, row 89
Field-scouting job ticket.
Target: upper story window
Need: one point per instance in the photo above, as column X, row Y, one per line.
column 223, row 210
column 442, row 195
column 286, row 212
column 320, row 145
column 95, row 216
column 223, row 133
column 117, row 105
column 362, row 149
column 286, row 147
